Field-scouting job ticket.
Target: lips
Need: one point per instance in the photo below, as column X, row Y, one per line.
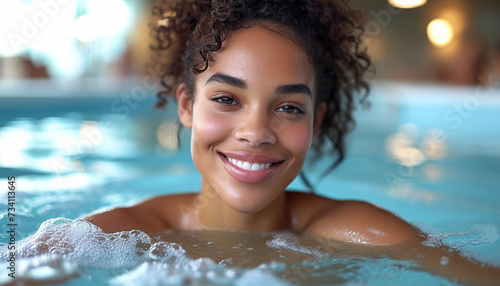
column 249, row 167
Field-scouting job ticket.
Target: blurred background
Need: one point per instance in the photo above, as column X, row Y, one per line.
column 442, row 41
column 78, row 131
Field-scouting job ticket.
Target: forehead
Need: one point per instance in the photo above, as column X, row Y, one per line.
column 258, row 55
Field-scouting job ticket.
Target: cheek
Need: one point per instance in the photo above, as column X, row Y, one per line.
column 297, row 139
column 208, row 128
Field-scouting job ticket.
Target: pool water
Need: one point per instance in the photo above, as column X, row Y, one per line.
column 428, row 153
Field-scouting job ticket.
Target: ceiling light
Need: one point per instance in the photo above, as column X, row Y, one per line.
column 440, row 32
column 407, row 4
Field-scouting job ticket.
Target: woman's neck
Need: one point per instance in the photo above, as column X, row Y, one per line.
column 212, row 212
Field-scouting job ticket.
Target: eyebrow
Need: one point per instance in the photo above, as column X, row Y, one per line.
column 294, row 89
column 227, row 79
column 238, row 83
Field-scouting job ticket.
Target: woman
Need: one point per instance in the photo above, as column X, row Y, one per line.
column 259, row 83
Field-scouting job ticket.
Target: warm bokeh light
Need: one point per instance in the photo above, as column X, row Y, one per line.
column 407, row 4
column 376, row 49
column 401, row 147
column 440, row 32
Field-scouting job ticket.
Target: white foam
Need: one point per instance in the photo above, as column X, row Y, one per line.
column 61, row 247
column 166, row 252
column 444, row 260
column 42, row 269
column 479, row 235
column 85, row 244
column 195, row 272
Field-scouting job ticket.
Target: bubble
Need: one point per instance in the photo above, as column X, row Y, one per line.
column 85, row 244
column 444, row 260
column 274, row 266
column 44, row 269
column 48, row 268
column 480, row 235
column 167, row 252
column 197, row 264
column 226, row 261
column 62, row 247
column 195, row 272
column 259, row 277
column 434, row 240
column 183, row 272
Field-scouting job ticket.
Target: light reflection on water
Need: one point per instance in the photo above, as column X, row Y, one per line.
column 90, row 156
column 407, row 149
column 41, row 144
column 60, row 146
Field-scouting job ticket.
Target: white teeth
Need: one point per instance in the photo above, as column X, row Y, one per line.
column 246, row 166
column 249, row 166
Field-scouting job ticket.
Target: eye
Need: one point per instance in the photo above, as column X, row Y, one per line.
column 291, row 109
column 225, row 100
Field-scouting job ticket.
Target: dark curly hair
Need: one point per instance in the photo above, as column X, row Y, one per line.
column 186, row 33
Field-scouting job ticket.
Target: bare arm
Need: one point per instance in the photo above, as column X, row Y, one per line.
column 364, row 224
column 139, row 217
column 448, row 263
column 115, row 220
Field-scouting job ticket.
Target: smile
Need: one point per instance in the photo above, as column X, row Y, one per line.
column 249, row 166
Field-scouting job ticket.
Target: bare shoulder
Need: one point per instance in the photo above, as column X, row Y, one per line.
column 151, row 216
column 354, row 221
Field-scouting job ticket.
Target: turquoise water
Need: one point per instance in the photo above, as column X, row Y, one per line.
column 428, row 153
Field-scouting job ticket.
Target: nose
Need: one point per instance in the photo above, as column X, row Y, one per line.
column 255, row 129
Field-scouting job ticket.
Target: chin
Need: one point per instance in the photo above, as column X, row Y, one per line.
column 248, row 208
column 249, row 203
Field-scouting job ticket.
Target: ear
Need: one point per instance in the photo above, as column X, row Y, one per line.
column 318, row 118
column 184, row 105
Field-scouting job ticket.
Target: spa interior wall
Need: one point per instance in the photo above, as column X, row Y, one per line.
column 74, row 40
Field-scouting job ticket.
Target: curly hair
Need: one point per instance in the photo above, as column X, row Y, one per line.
column 186, row 33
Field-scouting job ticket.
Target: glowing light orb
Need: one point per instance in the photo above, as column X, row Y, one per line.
column 440, row 32
column 407, row 4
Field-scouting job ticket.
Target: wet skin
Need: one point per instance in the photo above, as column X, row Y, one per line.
column 254, row 108
column 256, row 104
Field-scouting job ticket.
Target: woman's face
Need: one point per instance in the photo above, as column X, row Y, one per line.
column 252, row 118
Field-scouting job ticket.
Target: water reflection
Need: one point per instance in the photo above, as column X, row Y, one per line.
column 407, row 149
column 34, row 144
column 66, row 182
column 64, row 153
column 433, row 172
